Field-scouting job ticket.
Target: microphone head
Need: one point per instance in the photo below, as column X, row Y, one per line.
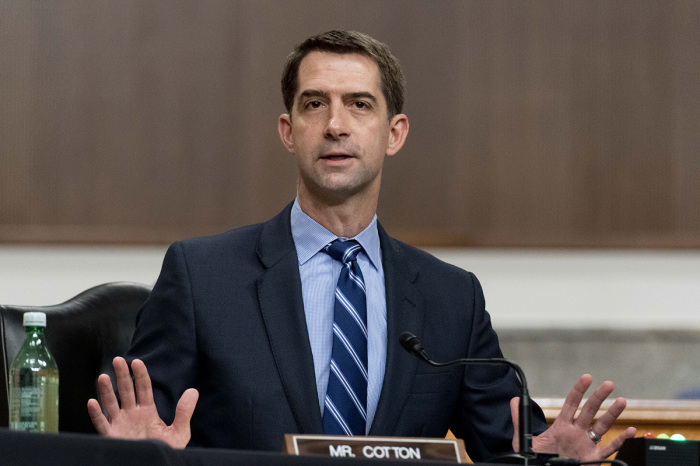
column 410, row 342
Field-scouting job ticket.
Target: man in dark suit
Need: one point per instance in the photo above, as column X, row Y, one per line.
column 248, row 318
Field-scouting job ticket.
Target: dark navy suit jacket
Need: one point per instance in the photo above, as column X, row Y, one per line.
column 226, row 316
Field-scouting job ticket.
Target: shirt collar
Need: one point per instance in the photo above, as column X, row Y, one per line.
column 310, row 237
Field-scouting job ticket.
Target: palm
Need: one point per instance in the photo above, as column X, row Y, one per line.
column 139, row 422
column 564, row 439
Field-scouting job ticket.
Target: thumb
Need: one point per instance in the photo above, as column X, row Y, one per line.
column 515, row 415
column 183, row 416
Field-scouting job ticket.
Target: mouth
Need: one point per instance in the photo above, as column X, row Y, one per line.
column 336, row 157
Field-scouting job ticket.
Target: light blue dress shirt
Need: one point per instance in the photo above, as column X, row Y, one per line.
column 319, row 276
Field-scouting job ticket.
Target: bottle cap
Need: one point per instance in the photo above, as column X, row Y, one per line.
column 34, row 319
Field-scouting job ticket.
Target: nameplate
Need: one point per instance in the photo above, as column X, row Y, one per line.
column 394, row 448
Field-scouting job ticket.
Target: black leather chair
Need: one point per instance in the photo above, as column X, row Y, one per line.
column 84, row 334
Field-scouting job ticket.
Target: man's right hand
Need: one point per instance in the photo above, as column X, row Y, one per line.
column 139, row 420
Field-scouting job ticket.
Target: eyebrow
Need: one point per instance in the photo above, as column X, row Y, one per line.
column 361, row 95
column 352, row 95
column 313, row 93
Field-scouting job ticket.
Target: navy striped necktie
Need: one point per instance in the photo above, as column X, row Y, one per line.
column 345, row 406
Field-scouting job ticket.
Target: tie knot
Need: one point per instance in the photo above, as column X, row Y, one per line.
column 344, row 251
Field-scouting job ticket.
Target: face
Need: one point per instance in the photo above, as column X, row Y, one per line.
column 339, row 129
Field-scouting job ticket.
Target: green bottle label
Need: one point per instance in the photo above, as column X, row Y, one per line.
column 34, row 401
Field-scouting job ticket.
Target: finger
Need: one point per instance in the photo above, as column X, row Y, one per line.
column 98, row 419
column 142, row 383
column 515, row 415
column 183, row 416
column 592, row 405
column 615, row 445
column 109, row 399
column 124, row 383
column 573, row 399
column 606, row 421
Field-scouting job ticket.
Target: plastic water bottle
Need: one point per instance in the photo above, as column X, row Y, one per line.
column 34, row 381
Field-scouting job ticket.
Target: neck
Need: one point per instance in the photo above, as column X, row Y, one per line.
column 344, row 219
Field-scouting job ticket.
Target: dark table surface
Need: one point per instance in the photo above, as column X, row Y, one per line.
column 19, row 448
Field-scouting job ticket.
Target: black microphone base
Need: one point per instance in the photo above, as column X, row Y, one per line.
column 535, row 459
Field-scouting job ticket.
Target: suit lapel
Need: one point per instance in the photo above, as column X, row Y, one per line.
column 282, row 306
column 405, row 311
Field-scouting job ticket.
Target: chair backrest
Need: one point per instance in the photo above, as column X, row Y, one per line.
column 84, row 334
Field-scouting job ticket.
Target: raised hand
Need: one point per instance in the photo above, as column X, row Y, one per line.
column 569, row 436
column 138, row 418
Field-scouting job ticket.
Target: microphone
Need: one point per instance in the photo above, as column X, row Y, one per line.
column 525, row 455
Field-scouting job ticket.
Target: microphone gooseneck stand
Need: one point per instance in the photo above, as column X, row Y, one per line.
column 525, row 455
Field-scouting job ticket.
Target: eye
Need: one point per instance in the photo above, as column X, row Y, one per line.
column 361, row 105
column 314, row 104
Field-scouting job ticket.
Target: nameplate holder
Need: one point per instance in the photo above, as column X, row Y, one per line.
column 394, row 448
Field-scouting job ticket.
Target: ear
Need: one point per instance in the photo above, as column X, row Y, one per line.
column 284, row 127
column 398, row 131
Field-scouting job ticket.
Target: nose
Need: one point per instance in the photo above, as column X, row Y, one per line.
column 337, row 126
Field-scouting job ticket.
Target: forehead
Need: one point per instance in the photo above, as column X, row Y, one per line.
column 328, row 72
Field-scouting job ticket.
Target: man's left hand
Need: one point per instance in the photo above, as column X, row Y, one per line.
column 569, row 436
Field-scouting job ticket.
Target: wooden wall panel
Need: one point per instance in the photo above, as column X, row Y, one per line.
column 555, row 124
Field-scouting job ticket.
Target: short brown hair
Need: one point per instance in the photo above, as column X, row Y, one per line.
column 393, row 83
